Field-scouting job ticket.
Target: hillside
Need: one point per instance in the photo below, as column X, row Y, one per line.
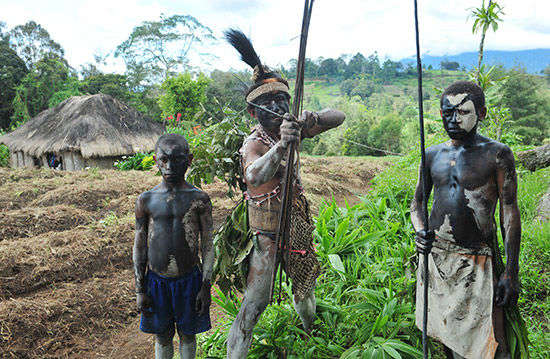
column 533, row 61
column 65, row 254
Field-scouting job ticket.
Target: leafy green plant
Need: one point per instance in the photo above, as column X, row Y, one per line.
column 4, row 156
column 216, row 150
column 139, row 161
column 183, row 95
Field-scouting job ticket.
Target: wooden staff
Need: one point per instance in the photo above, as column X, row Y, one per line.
column 283, row 231
column 424, row 183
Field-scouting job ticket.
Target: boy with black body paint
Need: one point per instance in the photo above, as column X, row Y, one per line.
column 469, row 174
column 170, row 285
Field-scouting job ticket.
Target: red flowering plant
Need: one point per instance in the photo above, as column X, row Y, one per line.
column 215, row 148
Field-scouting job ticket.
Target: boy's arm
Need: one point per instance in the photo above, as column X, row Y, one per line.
column 510, row 222
column 207, row 248
column 319, row 122
column 140, row 246
column 202, row 303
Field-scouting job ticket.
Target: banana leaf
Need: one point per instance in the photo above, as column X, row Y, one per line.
column 233, row 245
column 516, row 331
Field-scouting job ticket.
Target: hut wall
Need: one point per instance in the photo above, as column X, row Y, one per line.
column 67, row 158
column 29, row 163
column 13, row 159
column 44, row 161
column 20, row 160
column 101, row 162
column 78, row 161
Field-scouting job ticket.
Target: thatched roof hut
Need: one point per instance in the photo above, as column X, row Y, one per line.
column 82, row 131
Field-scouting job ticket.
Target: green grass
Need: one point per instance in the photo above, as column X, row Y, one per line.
column 534, row 300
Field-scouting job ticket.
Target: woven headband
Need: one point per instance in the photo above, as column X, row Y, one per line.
column 266, row 88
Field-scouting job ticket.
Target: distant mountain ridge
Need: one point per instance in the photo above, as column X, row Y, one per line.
column 533, row 61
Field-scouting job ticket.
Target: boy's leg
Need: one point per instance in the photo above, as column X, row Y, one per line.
column 256, row 298
column 306, row 310
column 164, row 348
column 188, row 346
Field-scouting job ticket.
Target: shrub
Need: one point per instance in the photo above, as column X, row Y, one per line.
column 182, row 94
column 4, row 156
column 139, row 162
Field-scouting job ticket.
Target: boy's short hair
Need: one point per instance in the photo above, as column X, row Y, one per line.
column 478, row 97
column 172, row 138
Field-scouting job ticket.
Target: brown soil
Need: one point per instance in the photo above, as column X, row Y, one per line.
column 66, row 285
column 32, row 221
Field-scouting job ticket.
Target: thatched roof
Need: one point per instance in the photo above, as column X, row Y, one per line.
column 96, row 125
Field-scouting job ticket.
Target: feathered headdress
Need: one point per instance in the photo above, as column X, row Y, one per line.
column 264, row 79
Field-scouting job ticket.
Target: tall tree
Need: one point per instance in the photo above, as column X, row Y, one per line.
column 357, row 65
column 48, row 76
column 529, row 107
column 12, row 70
column 546, row 73
column 485, row 18
column 3, row 35
column 156, row 50
column 111, row 84
column 328, row 67
column 32, row 42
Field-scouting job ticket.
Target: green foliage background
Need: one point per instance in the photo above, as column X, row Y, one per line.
column 183, row 94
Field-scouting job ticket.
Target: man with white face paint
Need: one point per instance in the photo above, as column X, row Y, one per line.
column 469, row 175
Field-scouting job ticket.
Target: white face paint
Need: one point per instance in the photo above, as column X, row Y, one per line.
column 456, row 99
column 466, row 116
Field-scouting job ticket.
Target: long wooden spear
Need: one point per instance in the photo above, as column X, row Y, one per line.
column 424, row 183
column 283, row 231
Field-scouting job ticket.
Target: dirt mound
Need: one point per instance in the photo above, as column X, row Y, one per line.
column 90, row 199
column 55, row 323
column 32, row 221
column 32, row 263
column 341, row 178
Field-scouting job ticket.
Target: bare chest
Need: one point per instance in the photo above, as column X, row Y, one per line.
column 465, row 169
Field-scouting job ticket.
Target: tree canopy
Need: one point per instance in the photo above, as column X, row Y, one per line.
column 156, row 50
column 12, row 70
column 32, row 42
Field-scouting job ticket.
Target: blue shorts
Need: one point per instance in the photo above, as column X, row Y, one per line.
column 174, row 302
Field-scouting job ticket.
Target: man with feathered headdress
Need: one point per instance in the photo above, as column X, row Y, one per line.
column 263, row 162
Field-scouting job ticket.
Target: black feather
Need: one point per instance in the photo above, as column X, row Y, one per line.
column 243, row 45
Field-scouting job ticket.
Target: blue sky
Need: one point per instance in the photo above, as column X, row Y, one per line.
column 87, row 27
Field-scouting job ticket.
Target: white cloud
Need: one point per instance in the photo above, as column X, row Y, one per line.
column 337, row 27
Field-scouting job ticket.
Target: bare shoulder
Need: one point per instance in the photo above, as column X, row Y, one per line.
column 145, row 196
column 203, row 196
column 505, row 156
column 201, row 201
column 434, row 150
column 502, row 154
column 252, row 149
column 141, row 203
column 254, row 145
